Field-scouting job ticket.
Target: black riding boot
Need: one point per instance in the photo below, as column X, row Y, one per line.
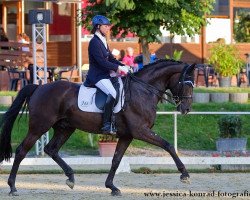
column 108, row 125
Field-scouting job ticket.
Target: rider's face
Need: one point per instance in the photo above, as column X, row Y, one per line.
column 104, row 29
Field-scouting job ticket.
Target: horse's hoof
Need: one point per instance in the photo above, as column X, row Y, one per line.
column 70, row 183
column 116, row 193
column 186, row 180
column 13, row 193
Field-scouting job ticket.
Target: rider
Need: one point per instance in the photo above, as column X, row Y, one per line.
column 101, row 65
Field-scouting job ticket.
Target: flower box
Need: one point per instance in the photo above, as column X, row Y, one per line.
column 231, row 144
column 107, row 149
column 6, row 100
column 201, row 98
column 219, row 97
column 239, row 97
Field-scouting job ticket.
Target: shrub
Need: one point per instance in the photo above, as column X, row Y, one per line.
column 225, row 59
column 230, row 126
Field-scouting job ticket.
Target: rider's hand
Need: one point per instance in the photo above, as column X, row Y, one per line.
column 129, row 68
column 123, row 70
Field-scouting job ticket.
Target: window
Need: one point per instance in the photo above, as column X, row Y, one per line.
column 221, row 8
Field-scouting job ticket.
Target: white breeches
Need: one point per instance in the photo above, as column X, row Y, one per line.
column 106, row 86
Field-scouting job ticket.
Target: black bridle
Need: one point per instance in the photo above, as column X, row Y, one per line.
column 180, row 97
column 173, row 99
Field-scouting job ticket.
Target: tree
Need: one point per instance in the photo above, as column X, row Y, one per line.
column 144, row 18
column 242, row 28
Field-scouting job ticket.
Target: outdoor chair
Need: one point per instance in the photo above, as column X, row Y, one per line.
column 16, row 76
column 208, row 73
column 66, row 74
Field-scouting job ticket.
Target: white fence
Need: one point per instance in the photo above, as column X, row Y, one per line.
column 126, row 162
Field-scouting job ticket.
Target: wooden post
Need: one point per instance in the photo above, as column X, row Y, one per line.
column 73, row 34
column 231, row 13
column 4, row 17
column 18, row 18
column 203, row 44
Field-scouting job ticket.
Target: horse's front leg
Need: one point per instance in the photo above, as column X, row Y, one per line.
column 149, row 136
column 121, row 147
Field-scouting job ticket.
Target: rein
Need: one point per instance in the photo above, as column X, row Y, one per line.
column 154, row 90
column 174, row 100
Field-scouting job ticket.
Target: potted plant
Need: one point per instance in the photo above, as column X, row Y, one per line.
column 176, row 55
column 107, row 145
column 230, row 134
column 226, row 61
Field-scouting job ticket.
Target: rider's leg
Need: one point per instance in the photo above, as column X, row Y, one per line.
column 108, row 112
column 106, row 86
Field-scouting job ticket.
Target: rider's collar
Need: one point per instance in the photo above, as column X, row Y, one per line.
column 102, row 38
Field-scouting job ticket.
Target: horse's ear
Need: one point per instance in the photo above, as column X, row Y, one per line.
column 188, row 70
column 191, row 68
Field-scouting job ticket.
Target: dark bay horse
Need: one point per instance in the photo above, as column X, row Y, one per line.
column 55, row 105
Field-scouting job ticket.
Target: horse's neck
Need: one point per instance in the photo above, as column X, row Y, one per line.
column 159, row 77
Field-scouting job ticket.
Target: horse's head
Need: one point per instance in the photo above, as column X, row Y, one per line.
column 182, row 89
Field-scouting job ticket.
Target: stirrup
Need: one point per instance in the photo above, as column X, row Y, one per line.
column 109, row 128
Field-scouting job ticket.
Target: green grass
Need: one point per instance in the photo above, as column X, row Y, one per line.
column 78, row 142
column 195, row 132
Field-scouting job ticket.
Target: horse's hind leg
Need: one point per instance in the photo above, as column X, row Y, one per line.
column 21, row 152
column 149, row 136
column 121, row 147
column 61, row 135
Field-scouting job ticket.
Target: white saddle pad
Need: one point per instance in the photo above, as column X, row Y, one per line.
column 86, row 99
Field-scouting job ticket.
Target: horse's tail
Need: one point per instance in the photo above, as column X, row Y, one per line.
column 9, row 118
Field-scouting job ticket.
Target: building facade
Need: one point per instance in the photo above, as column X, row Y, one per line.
column 62, row 33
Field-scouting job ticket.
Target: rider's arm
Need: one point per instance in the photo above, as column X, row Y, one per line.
column 101, row 57
column 114, row 60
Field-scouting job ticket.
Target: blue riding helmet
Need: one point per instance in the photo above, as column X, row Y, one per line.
column 100, row 20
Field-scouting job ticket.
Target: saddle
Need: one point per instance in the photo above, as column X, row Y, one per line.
column 92, row 99
column 101, row 97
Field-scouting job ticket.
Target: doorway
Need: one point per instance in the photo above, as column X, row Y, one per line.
column 11, row 18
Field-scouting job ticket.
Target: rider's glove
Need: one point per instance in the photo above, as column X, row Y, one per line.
column 130, row 69
column 123, row 70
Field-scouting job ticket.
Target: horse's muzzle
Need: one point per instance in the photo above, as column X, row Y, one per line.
column 183, row 109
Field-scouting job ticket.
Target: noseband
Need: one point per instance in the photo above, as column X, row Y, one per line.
column 175, row 100
column 179, row 98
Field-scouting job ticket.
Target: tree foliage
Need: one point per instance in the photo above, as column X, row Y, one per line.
column 242, row 28
column 144, row 18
